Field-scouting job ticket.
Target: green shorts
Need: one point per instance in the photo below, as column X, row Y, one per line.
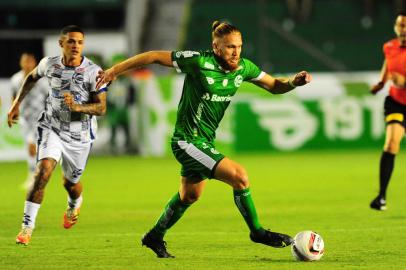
column 198, row 159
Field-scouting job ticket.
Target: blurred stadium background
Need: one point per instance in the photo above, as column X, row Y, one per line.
column 338, row 41
column 332, row 130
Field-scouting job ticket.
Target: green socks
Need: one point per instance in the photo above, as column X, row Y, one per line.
column 172, row 213
column 175, row 208
column 245, row 204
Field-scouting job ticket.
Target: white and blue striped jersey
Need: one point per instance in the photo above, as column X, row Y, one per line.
column 79, row 81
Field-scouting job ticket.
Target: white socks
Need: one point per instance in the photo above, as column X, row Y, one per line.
column 75, row 203
column 30, row 214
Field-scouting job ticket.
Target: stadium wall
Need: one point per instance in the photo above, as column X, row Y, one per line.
column 334, row 111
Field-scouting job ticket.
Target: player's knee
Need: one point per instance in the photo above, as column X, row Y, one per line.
column 240, row 179
column 392, row 146
column 190, row 197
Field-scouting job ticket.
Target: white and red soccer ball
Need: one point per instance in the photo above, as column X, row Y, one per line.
column 308, row 246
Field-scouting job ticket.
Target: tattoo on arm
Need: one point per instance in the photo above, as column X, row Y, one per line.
column 96, row 108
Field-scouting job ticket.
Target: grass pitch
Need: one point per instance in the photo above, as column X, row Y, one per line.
column 328, row 192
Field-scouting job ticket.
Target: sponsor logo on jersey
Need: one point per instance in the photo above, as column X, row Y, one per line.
column 225, row 82
column 238, row 81
column 206, row 96
column 210, row 80
column 217, row 98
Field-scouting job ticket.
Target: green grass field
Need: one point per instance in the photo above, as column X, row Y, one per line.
column 328, row 192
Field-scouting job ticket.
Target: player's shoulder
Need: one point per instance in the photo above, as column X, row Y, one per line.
column 49, row 61
column 89, row 65
column 247, row 64
column 18, row 76
column 391, row 44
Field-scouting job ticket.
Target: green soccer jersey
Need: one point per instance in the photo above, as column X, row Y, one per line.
column 207, row 91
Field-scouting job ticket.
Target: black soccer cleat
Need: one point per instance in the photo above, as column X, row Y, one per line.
column 157, row 244
column 378, row 203
column 273, row 239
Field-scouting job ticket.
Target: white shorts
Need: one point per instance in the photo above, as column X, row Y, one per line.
column 73, row 155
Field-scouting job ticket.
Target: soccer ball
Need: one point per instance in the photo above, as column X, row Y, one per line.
column 308, row 246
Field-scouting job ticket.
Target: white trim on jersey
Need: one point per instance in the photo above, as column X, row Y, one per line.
column 260, row 76
column 175, row 64
column 197, row 154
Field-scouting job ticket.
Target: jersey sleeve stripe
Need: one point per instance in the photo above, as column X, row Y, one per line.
column 259, row 77
column 175, row 64
column 102, row 90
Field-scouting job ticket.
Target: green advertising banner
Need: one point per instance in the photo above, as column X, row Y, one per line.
column 291, row 124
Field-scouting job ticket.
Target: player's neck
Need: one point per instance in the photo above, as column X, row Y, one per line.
column 72, row 61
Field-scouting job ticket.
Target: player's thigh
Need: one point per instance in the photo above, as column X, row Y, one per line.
column 394, row 135
column 231, row 173
column 74, row 160
column 198, row 159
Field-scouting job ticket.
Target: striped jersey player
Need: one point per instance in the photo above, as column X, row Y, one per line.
column 66, row 128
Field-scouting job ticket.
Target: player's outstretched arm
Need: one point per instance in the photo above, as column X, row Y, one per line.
column 282, row 85
column 97, row 107
column 28, row 84
column 384, row 77
column 152, row 57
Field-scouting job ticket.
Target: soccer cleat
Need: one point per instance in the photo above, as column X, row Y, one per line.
column 378, row 203
column 158, row 245
column 24, row 236
column 70, row 217
column 273, row 239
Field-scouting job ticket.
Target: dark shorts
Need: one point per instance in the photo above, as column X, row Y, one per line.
column 198, row 159
column 394, row 112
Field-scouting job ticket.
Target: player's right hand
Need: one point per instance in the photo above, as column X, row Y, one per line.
column 12, row 115
column 377, row 87
column 105, row 77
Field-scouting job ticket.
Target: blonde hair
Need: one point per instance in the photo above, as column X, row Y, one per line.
column 220, row 29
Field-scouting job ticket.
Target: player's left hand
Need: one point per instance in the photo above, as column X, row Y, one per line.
column 69, row 101
column 13, row 113
column 105, row 77
column 301, row 78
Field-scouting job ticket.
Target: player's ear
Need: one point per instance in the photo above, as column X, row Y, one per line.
column 214, row 46
column 60, row 41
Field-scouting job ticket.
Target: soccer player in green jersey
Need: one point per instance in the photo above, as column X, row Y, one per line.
column 211, row 80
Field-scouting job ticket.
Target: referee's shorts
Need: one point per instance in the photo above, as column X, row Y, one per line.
column 394, row 111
